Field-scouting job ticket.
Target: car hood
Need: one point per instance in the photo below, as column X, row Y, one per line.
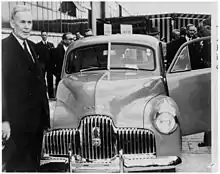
column 119, row 94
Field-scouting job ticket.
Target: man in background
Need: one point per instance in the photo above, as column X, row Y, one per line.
column 174, row 45
column 156, row 33
column 194, row 48
column 79, row 36
column 43, row 49
column 59, row 52
column 191, row 32
column 88, row 32
column 175, row 34
column 25, row 108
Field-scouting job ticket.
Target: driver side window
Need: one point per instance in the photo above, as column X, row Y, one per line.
column 183, row 61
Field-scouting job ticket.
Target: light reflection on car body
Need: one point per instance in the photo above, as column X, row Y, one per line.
column 119, row 106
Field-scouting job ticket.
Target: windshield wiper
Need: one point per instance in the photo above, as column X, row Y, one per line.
column 93, row 68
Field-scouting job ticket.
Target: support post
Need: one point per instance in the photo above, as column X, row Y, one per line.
column 94, row 16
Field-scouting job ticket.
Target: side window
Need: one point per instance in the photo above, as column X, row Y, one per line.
column 183, row 61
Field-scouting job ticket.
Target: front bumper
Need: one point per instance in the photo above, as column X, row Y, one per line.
column 120, row 163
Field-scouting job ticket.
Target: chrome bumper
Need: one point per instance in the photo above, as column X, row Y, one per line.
column 120, row 163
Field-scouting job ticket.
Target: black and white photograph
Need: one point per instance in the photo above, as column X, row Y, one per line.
column 109, row 86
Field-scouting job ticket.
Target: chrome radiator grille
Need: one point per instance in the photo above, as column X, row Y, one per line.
column 98, row 138
column 98, row 128
column 135, row 141
column 58, row 142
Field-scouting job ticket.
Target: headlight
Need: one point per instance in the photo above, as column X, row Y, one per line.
column 165, row 123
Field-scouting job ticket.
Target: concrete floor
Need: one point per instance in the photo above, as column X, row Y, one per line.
column 194, row 158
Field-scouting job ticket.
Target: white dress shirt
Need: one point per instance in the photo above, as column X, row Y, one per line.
column 65, row 48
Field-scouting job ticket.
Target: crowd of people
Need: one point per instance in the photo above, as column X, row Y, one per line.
column 200, row 53
column 27, row 68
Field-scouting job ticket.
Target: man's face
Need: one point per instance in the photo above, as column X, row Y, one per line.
column 69, row 39
column 44, row 36
column 192, row 31
column 22, row 24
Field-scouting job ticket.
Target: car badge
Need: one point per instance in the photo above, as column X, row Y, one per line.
column 96, row 140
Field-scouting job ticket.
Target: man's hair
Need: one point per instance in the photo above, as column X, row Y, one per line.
column 43, row 31
column 65, row 34
column 19, row 8
column 183, row 31
column 175, row 31
column 190, row 25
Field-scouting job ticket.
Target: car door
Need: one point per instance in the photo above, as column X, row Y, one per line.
column 190, row 86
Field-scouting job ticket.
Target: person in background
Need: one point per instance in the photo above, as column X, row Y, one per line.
column 175, row 34
column 88, row 32
column 25, row 108
column 79, row 36
column 194, row 48
column 59, row 52
column 156, row 33
column 43, row 49
column 174, row 45
column 191, row 32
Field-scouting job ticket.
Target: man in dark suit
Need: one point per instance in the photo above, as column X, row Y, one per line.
column 59, row 52
column 43, row 49
column 25, row 109
column 174, row 45
column 194, row 48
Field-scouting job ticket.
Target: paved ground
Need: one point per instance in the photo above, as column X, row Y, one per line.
column 194, row 158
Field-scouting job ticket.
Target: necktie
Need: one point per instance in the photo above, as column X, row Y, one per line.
column 28, row 53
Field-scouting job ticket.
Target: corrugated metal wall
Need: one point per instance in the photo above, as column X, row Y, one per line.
column 164, row 25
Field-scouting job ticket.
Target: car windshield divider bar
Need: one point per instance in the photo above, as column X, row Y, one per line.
column 109, row 54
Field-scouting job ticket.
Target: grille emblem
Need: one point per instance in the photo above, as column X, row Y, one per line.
column 96, row 141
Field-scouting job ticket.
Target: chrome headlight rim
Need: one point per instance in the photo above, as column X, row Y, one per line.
column 159, row 114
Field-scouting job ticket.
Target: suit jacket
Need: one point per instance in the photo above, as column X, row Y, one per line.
column 206, row 53
column 172, row 48
column 58, row 57
column 43, row 52
column 24, row 103
column 195, row 55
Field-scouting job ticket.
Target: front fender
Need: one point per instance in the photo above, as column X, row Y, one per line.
column 166, row 144
column 162, row 103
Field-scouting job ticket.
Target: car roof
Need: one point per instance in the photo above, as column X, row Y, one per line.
column 116, row 38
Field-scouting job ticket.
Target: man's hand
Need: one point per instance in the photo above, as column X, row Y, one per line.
column 6, row 130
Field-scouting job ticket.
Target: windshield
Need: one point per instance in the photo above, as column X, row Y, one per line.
column 121, row 56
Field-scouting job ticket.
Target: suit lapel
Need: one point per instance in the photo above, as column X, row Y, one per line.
column 16, row 45
column 20, row 56
column 34, row 55
column 18, row 51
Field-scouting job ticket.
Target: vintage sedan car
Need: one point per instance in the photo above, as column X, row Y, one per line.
column 118, row 110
